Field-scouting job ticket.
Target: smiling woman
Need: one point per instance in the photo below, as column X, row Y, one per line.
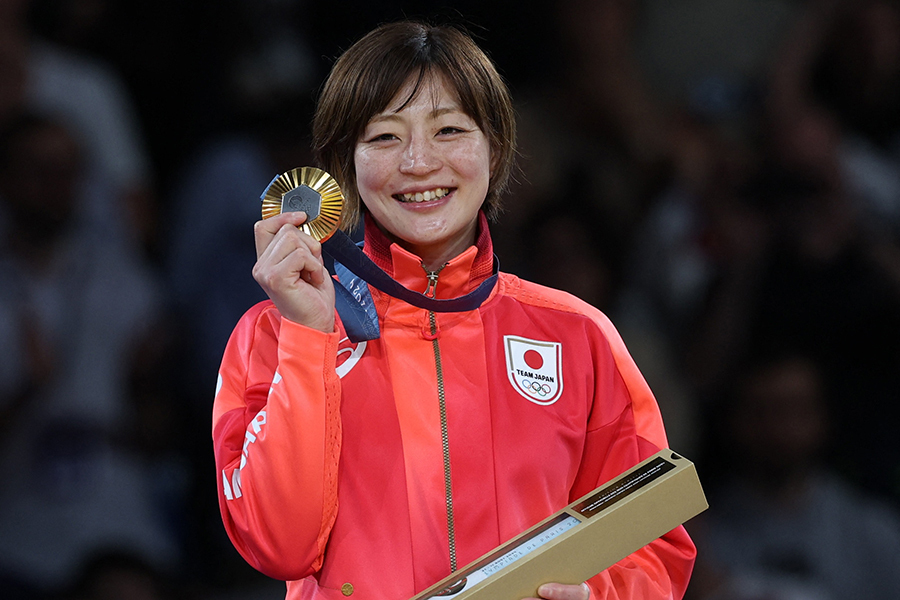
column 377, row 468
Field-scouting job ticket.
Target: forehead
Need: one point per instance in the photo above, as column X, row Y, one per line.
column 430, row 91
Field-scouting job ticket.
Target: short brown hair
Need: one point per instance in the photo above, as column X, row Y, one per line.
column 372, row 72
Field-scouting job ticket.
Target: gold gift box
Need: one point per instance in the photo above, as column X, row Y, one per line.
column 588, row 536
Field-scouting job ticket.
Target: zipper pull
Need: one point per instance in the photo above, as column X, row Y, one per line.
column 432, row 284
column 432, row 280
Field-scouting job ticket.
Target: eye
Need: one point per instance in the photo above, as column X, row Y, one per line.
column 450, row 130
column 383, row 137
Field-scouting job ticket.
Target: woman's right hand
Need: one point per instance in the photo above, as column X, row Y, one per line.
column 290, row 269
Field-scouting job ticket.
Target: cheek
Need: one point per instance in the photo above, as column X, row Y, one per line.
column 474, row 162
column 365, row 171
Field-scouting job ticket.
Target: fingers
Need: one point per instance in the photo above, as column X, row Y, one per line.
column 560, row 591
column 289, row 267
column 278, row 237
column 265, row 230
column 290, row 256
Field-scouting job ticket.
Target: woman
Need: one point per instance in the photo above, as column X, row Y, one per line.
column 376, row 469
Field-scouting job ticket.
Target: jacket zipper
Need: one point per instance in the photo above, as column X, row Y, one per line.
column 445, row 438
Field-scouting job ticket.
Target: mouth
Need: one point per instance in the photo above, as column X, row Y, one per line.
column 419, row 197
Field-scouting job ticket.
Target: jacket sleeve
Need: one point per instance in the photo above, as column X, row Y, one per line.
column 625, row 428
column 277, row 436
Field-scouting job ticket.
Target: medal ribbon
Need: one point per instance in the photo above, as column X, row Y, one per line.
column 354, row 303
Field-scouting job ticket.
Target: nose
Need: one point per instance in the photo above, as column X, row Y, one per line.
column 420, row 157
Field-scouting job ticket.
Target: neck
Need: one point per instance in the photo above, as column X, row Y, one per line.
column 434, row 256
column 433, row 261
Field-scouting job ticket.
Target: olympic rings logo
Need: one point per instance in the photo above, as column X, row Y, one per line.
column 535, row 387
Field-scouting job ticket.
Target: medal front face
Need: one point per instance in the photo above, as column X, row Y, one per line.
column 311, row 190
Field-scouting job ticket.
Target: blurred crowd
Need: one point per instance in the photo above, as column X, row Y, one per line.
column 721, row 177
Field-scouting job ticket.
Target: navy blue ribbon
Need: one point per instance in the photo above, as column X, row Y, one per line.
column 354, row 303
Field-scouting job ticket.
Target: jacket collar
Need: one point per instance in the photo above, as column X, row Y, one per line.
column 461, row 275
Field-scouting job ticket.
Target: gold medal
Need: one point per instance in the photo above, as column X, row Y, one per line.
column 311, row 190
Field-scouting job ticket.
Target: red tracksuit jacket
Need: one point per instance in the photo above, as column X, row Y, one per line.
column 332, row 457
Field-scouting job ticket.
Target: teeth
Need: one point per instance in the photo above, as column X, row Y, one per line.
column 424, row 196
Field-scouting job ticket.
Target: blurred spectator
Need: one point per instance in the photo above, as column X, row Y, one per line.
column 686, row 238
column 76, row 306
column 843, row 57
column 89, row 97
column 215, row 199
column 214, row 205
column 781, row 524
column 686, row 241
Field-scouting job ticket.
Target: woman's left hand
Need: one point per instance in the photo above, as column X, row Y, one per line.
column 560, row 591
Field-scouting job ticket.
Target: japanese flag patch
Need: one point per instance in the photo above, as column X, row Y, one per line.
column 534, row 368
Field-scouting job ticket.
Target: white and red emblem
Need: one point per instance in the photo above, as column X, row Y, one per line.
column 348, row 355
column 534, row 368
